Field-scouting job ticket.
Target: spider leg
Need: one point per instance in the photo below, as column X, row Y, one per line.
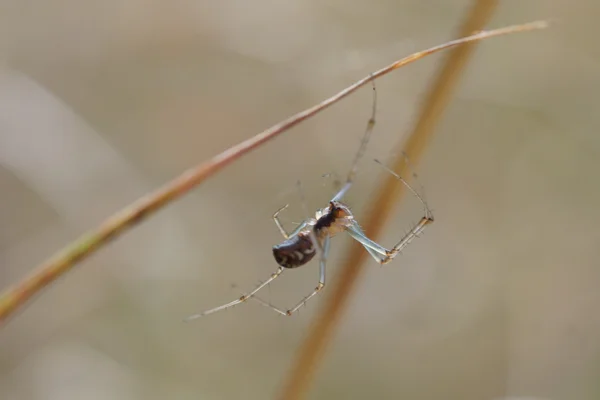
column 320, row 285
column 282, row 229
column 361, row 150
column 242, row 299
column 376, row 255
column 426, row 209
column 380, row 253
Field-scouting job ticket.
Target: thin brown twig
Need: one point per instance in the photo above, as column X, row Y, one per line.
column 310, row 353
column 18, row 295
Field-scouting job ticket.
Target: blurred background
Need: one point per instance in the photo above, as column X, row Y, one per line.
column 102, row 101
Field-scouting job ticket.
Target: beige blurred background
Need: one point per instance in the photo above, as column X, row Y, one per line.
column 102, row 101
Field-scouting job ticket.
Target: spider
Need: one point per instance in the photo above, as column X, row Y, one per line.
column 313, row 235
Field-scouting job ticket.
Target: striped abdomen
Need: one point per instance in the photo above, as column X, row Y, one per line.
column 294, row 252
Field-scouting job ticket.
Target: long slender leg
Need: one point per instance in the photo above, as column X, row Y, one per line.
column 361, row 150
column 376, row 255
column 380, row 253
column 278, row 223
column 242, row 299
column 281, row 228
column 426, row 209
column 321, row 285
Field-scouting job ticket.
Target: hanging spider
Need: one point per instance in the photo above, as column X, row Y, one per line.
column 313, row 235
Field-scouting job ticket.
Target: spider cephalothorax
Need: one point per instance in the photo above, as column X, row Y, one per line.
column 333, row 219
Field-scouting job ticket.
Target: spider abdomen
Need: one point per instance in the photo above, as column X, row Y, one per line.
column 294, row 252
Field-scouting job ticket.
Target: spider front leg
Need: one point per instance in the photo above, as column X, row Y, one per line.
column 380, row 253
column 361, row 150
column 321, row 284
column 358, row 231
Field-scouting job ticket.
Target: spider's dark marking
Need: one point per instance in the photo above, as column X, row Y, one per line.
column 294, row 252
column 334, row 221
column 327, row 220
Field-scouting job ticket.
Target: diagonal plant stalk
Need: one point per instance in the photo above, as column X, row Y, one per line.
column 297, row 382
column 15, row 297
